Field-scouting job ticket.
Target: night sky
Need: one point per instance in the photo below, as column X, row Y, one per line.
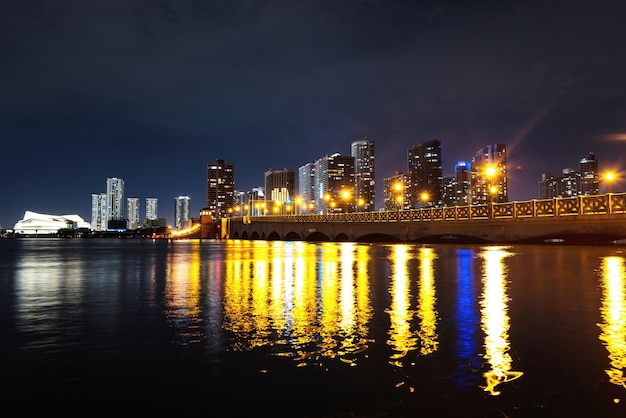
column 152, row 91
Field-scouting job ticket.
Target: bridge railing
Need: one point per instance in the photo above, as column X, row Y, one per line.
column 605, row 204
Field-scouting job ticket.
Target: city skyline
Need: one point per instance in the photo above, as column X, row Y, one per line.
column 151, row 94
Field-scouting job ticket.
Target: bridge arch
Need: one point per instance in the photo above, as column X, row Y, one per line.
column 273, row 236
column 340, row 237
column 317, row 236
column 292, row 236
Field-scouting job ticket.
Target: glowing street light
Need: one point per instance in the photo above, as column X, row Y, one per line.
column 399, row 201
column 490, row 172
column 610, row 177
column 346, row 198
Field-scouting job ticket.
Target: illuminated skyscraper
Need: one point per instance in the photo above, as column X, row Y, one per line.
column 425, row 175
column 152, row 206
column 182, row 209
column 589, row 184
column 306, row 187
column 220, row 188
column 280, row 189
column 115, row 199
column 98, row 211
column 364, row 177
column 334, row 184
column 132, row 204
column 489, row 175
column 396, row 192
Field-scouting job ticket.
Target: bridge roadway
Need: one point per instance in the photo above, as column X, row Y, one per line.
column 598, row 219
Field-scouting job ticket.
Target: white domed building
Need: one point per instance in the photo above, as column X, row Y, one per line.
column 39, row 224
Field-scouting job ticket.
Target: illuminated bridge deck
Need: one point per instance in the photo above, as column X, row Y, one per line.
column 599, row 219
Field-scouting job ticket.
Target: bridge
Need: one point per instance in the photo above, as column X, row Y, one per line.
column 598, row 219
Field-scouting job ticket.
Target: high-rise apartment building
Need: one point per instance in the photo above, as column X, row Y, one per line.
column 220, row 188
column 182, row 214
column 306, row 187
column 152, row 208
column 572, row 182
column 589, row 183
column 489, row 175
column 280, row 189
column 115, row 199
column 461, row 185
column 425, row 175
column 334, row 184
column 550, row 186
column 256, row 202
column 132, row 209
column 364, row 176
column 396, row 192
column 98, row 211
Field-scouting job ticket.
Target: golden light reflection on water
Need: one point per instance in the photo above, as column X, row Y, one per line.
column 613, row 311
column 309, row 304
column 427, row 297
column 495, row 320
column 401, row 338
column 182, row 289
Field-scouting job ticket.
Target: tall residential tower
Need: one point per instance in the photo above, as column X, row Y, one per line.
column 425, row 175
column 364, row 179
column 220, row 188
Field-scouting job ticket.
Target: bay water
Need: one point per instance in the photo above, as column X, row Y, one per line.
column 299, row 329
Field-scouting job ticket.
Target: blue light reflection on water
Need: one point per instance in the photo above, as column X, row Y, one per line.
column 364, row 327
column 467, row 320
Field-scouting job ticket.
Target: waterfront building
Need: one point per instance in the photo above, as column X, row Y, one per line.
column 570, row 183
column 589, row 184
column 115, row 199
column 238, row 203
column 489, row 175
column 98, row 211
column 182, row 210
column 459, row 189
column 280, row 189
column 256, row 202
column 38, row 224
column 306, row 187
column 152, row 206
column 364, row 174
column 396, row 192
column 132, row 209
column 334, row 184
column 220, row 188
column 425, row 175
column 550, row 186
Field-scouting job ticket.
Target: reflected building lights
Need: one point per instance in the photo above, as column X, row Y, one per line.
column 329, row 303
column 467, row 319
column 613, row 311
column 304, row 328
column 313, row 305
column 182, row 290
column 364, row 305
column 426, row 298
column 401, row 338
column 347, row 298
column 495, row 320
